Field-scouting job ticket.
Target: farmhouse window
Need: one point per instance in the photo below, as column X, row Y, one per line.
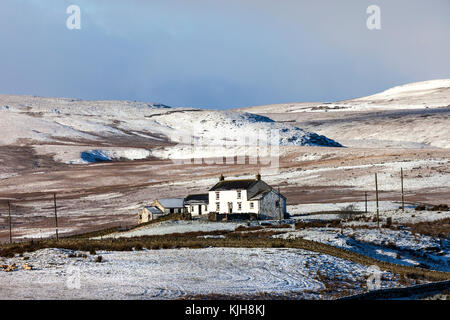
column 217, row 206
column 217, row 195
column 277, row 204
column 239, row 206
column 252, row 205
column 239, row 194
column 192, row 208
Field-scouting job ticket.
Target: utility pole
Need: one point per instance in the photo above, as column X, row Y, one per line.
column 365, row 196
column 56, row 215
column 376, row 191
column 279, row 204
column 9, row 218
column 403, row 196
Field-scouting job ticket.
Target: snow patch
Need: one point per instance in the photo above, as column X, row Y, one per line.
column 100, row 155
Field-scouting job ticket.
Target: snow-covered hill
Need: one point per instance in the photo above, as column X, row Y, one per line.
column 418, row 95
column 416, row 89
column 104, row 125
column 415, row 115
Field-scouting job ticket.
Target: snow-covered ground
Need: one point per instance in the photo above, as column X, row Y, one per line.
column 97, row 155
column 362, row 176
column 177, row 226
column 387, row 209
column 305, row 208
column 396, row 246
column 414, row 115
column 174, row 273
column 42, row 233
column 40, row 121
column 418, row 95
column 359, row 177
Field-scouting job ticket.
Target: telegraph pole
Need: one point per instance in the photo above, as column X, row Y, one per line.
column 56, row 215
column 365, row 197
column 403, row 196
column 279, row 204
column 9, row 218
column 376, row 191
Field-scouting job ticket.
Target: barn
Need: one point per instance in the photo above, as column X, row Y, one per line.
column 149, row 213
column 169, row 205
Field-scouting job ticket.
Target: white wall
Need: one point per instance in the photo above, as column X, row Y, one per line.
column 195, row 211
column 231, row 196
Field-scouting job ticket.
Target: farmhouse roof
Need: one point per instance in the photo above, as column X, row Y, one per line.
column 171, row 202
column 197, row 198
column 262, row 193
column 242, row 184
column 153, row 209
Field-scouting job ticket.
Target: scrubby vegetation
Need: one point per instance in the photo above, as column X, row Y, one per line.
column 438, row 228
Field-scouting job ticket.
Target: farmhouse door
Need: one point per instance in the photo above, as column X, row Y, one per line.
column 199, row 209
column 230, row 207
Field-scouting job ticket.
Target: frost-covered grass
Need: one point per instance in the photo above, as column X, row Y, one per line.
column 176, row 226
column 388, row 209
column 396, row 246
column 388, row 175
column 42, row 233
column 170, row 274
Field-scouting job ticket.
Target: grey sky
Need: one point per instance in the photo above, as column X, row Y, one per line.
column 220, row 53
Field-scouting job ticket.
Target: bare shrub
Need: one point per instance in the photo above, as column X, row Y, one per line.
column 348, row 212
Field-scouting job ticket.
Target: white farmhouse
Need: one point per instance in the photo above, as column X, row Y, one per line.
column 248, row 196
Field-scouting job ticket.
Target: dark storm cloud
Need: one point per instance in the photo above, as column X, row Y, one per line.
column 220, row 53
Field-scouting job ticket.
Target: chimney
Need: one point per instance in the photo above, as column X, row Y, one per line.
column 221, row 178
column 258, row 177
